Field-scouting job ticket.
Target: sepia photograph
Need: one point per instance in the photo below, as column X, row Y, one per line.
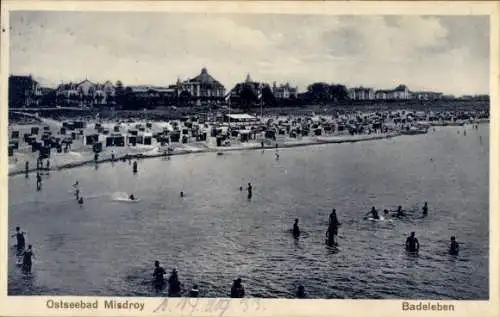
column 180, row 154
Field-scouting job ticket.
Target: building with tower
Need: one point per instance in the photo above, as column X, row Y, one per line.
column 203, row 87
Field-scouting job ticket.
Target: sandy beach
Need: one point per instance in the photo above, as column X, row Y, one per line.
column 81, row 154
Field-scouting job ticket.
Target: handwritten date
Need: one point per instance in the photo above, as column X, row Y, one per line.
column 218, row 306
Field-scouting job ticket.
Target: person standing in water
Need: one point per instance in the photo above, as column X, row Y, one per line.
column 425, row 209
column 249, row 190
column 26, row 168
column 333, row 218
column 296, row 230
column 412, row 244
column 174, row 286
column 237, row 290
column 21, row 241
column 158, row 276
column 454, row 247
column 301, row 293
column 27, row 262
column 80, row 201
column 134, row 167
column 38, row 181
column 332, row 228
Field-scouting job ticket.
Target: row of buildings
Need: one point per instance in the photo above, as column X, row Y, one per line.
column 25, row 91
column 401, row 92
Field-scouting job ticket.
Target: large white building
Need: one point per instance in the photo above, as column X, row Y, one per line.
column 361, row 93
column 86, row 93
column 401, row 92
column 203, row 87
column 284, row 91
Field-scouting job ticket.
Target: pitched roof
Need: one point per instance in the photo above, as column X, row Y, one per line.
column 206, row 79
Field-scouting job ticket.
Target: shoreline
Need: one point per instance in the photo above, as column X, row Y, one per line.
column 148, row 154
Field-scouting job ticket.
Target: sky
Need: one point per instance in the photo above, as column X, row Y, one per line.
column 449, row 54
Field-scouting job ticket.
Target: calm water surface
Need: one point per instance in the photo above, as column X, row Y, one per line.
column 214, row 234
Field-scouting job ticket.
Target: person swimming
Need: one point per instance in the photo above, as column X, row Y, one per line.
column 296, row 230
column 454, row 247
column 374, row 213
column 194, row 292
column 76, row 184
column 20, row 241
column 80, row 201
column 399, row 213
column 412, row 244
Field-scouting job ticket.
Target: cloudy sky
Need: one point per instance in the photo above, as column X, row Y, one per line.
column 448, row 53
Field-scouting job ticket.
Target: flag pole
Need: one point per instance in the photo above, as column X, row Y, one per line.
column 261, row 102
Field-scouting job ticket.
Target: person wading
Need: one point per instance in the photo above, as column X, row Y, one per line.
column 174, row 286
column 20, row 241
column 27, row 262
column 249, row 190
column 237, row 290
column 296, row 230
column 158, row 277
column 412, row 244
column 332, row 228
